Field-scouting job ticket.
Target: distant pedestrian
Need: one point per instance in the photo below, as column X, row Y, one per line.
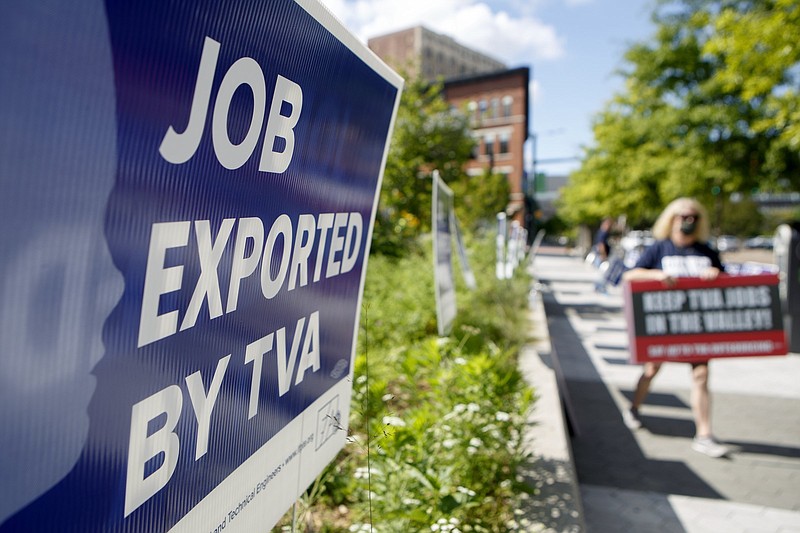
column 601, row 246
column 680, row 250
column 610, row 268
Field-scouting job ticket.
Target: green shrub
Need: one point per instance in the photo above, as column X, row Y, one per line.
column 436, row 423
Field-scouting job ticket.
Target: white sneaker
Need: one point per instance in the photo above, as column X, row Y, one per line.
column 709, row 446
column 631, row 418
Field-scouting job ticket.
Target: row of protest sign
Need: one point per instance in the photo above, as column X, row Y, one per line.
column 511, row 246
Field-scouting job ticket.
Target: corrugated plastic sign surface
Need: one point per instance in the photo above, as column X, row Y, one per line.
column 188, row 192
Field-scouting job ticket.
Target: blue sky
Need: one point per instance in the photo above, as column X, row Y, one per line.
column 571, row 46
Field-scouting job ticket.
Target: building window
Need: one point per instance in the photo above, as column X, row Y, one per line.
column 503, row 148
column 495, row 110
column 488, row 142
column 472, row 110
column 507, row 101
column 482, row 108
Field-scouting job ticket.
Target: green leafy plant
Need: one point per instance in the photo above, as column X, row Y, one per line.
column 436, row 423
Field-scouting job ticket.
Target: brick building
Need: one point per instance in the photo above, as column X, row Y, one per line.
column 497, row 104
column 420, row 51
column 495, row 97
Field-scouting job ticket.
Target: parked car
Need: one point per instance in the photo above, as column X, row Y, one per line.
column 762, row 241
column 636, row 239
column 633, row 244
column 727, row 243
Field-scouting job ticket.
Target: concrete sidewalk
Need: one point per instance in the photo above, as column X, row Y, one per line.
column 650, row 479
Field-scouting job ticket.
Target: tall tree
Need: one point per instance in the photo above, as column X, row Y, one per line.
column 761, row 51
column 698, row 115
column 428, row 135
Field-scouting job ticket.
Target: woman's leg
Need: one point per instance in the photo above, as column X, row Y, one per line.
column 643, row 385
column 701, row 401
column 703, row 441
column 631, row 416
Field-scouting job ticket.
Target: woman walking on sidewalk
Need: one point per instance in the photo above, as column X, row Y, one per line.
column 681, row 231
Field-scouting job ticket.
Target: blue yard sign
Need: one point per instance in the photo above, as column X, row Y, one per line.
column 188, row 194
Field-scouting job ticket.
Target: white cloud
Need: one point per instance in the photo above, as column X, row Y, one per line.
column 515, row 38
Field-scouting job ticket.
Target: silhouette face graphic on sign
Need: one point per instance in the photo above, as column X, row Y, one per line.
column 57, row 281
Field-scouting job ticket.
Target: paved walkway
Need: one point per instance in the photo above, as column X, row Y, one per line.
column 650, row 479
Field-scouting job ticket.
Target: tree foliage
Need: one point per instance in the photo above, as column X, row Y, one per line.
column 710, row 108
column 428, row 135
column 479, row 198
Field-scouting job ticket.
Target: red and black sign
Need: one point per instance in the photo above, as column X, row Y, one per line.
column 697, row 320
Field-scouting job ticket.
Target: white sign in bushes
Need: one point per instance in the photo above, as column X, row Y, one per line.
column 445, row 227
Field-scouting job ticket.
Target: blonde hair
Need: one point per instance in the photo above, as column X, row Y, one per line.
column 663, row 226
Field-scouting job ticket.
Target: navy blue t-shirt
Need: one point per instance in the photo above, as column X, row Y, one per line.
column 679, row 262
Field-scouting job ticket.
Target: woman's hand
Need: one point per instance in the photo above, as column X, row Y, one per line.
column 649, row 273
column 666, row 279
